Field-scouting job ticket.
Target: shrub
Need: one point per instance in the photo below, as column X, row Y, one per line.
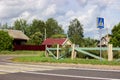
column 5, row 41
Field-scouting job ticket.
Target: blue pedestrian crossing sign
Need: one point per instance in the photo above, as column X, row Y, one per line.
column 100, row 22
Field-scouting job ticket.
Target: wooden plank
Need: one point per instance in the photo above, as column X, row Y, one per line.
column 87, row 53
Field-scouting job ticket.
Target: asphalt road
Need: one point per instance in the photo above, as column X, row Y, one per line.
column 17, row 71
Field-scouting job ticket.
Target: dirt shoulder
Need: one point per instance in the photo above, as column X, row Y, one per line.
column 104, row 67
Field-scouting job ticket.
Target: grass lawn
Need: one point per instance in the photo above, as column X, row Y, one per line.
column 20, row 52
column 38, row 56
column 37, row 59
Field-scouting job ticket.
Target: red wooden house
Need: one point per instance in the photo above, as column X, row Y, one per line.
column 54, row 41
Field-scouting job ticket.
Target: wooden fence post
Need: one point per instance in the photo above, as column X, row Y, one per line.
column 57, row 51
column 73, row 52
column 110, row 53
column 46, row 53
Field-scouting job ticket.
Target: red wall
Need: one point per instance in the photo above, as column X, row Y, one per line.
column 30, row 47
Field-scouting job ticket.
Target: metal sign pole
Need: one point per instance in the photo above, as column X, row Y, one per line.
column 100, row 31
column 100, row 25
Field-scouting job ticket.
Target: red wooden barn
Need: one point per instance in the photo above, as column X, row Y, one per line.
column 60, row 41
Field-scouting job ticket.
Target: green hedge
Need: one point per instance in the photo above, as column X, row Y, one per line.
column 5, row 41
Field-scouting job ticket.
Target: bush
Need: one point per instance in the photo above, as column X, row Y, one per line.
column 5, row 41
column 65, row 51
column 116, row 54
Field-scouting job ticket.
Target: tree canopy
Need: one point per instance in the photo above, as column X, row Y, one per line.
column 21, row 24
column 37, row 28
column 88, row 42
column 5, row 41
column 75, row 32
column 115, row 39
column 36, row 38
column 52, row 27
column 58, row 36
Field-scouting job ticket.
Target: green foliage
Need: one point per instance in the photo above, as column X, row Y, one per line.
column 67, row 60
column 5, row 41
column 37, row 26
column 4, row 26
column 54, row 30
column 21, row 25
column 34, row 53
column 36, row 38
column 116, row 54
column 75, row 32
column 58, row 36
column 31, row 30
column 53, row 27
column 88, row 42
column 115, row 36
column 66, row 51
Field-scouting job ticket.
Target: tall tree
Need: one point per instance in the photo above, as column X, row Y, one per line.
column 37, row 26
column 75, row 32
column 52, row 27
column 21, row 25
column 115, row 39
column 5, row 26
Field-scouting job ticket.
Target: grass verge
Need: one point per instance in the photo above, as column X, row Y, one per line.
column 41, row 58
column 20, row 52
column 66, row 60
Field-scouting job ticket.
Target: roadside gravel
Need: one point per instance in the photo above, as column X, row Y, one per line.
column 104, row 67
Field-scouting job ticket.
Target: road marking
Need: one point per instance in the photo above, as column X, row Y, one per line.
column 53, row 67
column 15, row 68
column 3, row 73
column 61, row 67
column 37, row 66
column 71, row 76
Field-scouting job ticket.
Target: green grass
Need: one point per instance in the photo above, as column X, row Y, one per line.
column 66, row 60
column 20, row 52
column 38, row 56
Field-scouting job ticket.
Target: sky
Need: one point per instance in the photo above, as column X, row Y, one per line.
column 64, row 11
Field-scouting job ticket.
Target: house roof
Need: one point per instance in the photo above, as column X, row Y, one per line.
column 52, row 41
column 105, row 40
column 17, row 34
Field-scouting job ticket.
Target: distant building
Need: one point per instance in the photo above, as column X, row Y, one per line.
column 18, row 36
column 60, row 41
column 104, row 41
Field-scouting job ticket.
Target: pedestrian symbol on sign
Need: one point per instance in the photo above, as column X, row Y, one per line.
column 100, row 22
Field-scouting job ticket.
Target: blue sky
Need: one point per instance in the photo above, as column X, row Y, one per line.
column 64, row 11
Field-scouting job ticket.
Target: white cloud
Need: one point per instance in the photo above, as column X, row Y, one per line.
column 51, row 10
column 82, row 2
column 64, row 11
column 14, row 8
column 25, row 15
column 70, row 13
